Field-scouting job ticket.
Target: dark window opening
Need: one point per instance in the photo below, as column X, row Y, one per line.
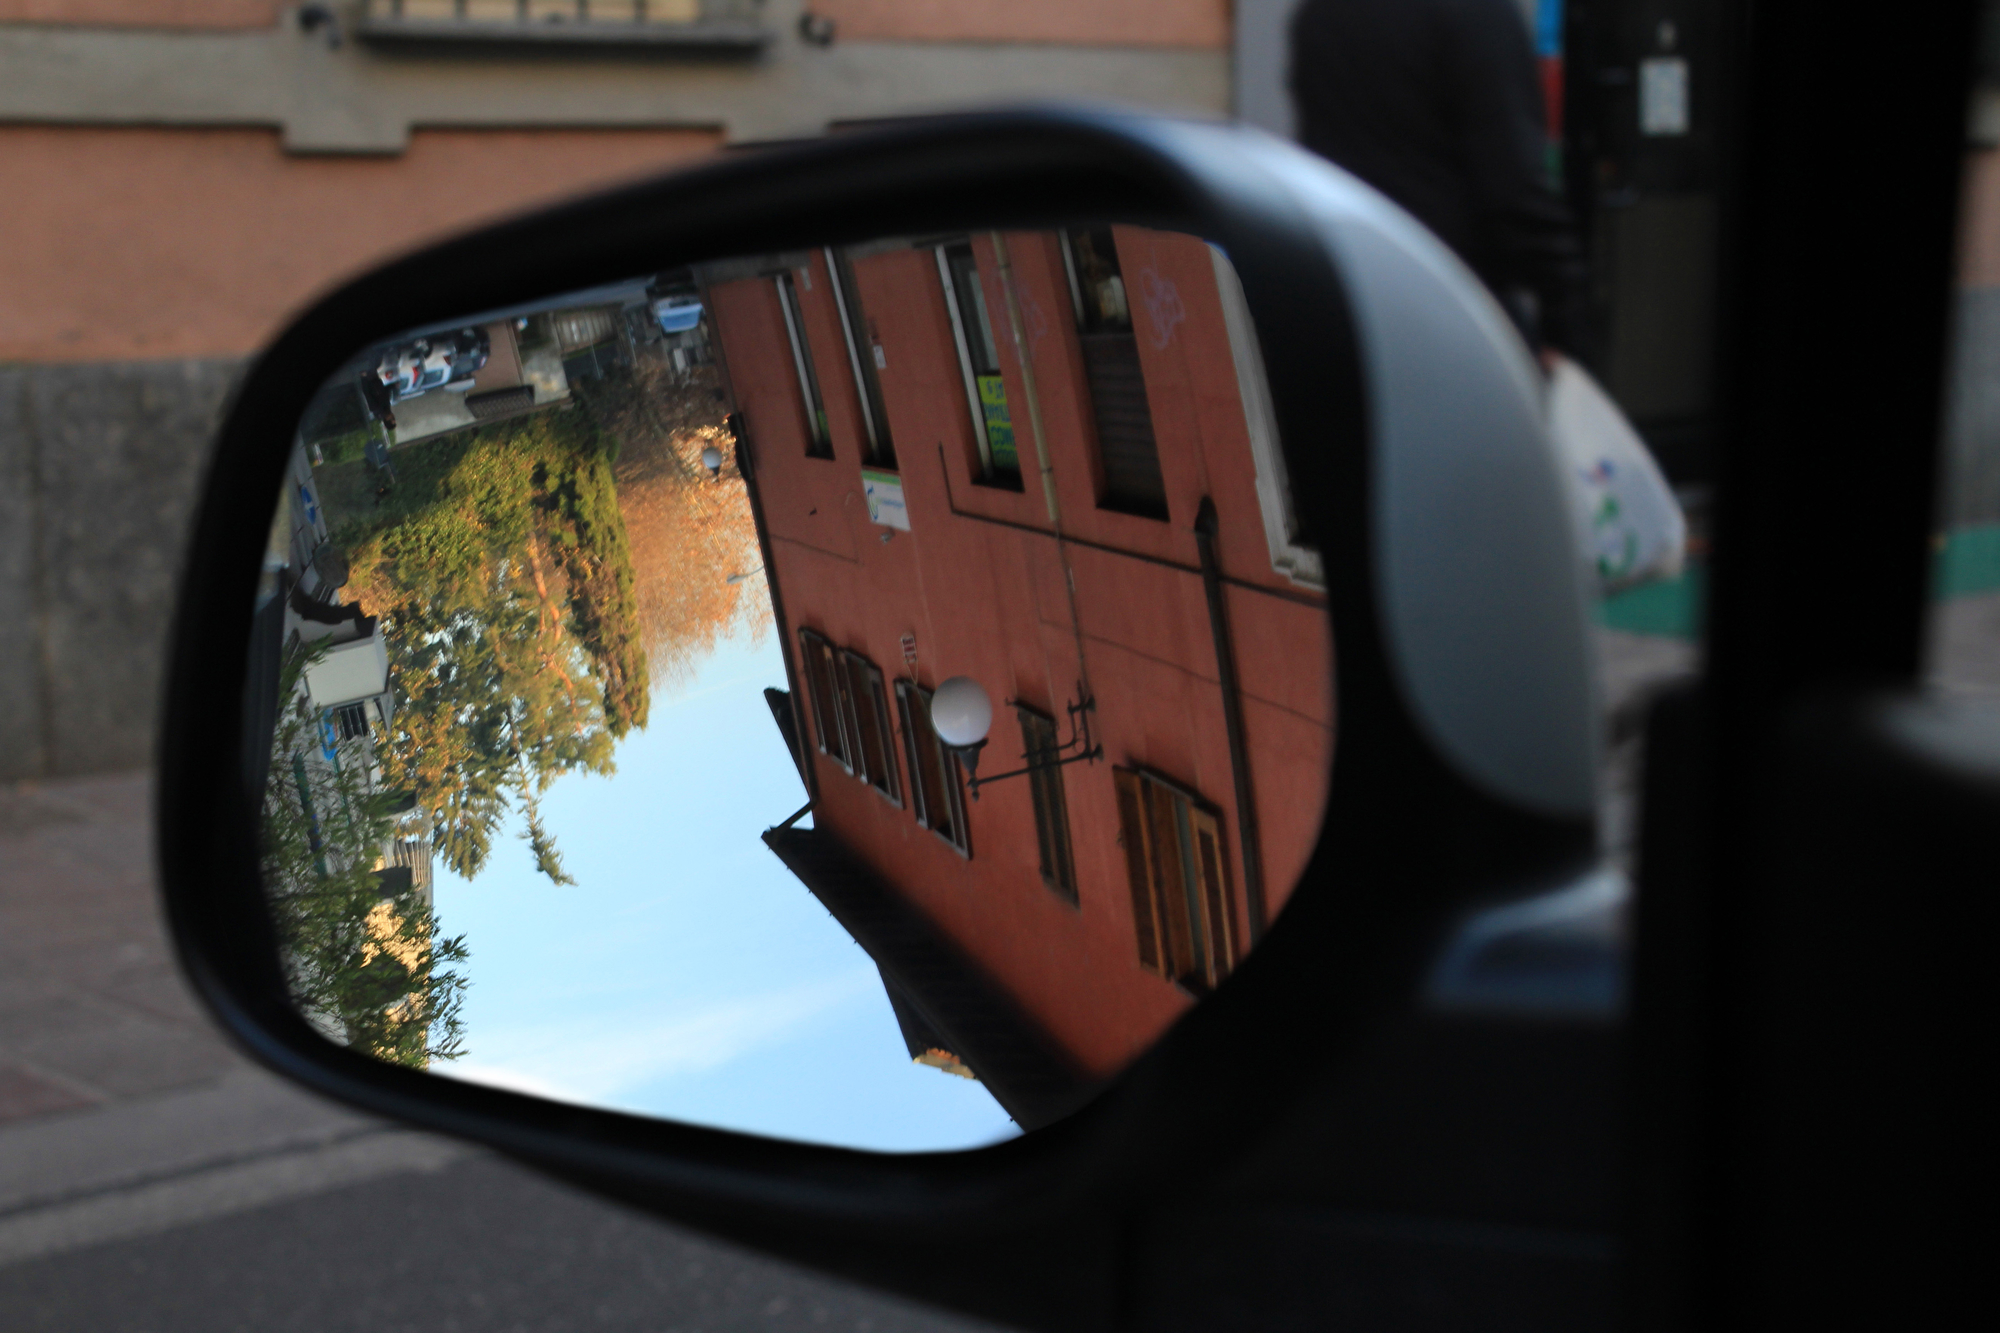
column 1045, row 783
column 819, row 440
column 865, row 357
column 1126, row 449
column 937, row 786
column 979, row 359
column 1182, row 906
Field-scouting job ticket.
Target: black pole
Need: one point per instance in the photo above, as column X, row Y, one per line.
column 1232, row 720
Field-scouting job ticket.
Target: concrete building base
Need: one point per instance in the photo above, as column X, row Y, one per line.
column 99, row 468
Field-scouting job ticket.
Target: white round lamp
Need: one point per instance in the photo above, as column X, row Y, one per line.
column 711, row 458
column 961, row 712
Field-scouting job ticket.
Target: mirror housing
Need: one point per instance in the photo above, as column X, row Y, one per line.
column 1466, row 758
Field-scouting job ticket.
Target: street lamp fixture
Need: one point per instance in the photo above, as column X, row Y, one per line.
column 962, row 714
column 711, row 459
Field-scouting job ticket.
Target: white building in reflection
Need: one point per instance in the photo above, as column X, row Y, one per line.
column 347, row 683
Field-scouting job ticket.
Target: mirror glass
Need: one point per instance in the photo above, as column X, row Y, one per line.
column 859, row 695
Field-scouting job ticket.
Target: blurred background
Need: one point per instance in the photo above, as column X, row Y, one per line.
column 182, row 175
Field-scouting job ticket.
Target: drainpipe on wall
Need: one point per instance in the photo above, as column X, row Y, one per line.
column 1232, row 720
column 1015, row 325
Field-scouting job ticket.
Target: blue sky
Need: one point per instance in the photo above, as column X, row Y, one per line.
column 686, row 973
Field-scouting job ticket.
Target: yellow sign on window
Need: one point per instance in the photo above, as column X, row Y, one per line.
column 1000, row 450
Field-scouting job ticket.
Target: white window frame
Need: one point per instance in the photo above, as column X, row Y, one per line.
column 818, row 434
column 972, row 403
column 875, row 430
column 1289, row 555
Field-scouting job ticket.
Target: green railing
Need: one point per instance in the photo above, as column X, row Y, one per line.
column 1967, row 564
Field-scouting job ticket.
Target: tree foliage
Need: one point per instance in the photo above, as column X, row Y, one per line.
column 689, row 531
column 362, row 955
column 504, row 579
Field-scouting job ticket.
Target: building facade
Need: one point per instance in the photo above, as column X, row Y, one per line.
column 1100, row 534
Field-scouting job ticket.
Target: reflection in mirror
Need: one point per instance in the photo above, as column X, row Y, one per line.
column 856, row 695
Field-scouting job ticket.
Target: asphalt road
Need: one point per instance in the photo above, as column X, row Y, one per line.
column 473, row 1244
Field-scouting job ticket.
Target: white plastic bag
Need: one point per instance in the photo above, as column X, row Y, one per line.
column 1632, row 527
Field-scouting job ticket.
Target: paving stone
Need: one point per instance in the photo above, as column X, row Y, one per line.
column 90, row 995
column 25, row 1094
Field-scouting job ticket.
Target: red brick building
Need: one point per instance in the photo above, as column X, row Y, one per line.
column 899, row 450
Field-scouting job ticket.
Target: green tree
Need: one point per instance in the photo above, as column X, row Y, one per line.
column 362, row 954
column 505, row 586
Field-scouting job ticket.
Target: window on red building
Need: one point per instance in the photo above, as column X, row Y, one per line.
column 1181, row 901
column 864, row 707
column 979, row 358
column 1125, row 445
column 850, row 711
column 1041, row 749
column 937, row 787
column 865, row 358
column 819, row 440
column 821, row 668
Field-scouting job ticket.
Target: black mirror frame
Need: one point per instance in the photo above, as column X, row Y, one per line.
column 1031, row 1230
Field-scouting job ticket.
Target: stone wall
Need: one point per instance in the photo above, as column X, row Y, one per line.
column 99, row 469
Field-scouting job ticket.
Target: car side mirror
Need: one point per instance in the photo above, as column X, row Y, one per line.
column 1135, row 557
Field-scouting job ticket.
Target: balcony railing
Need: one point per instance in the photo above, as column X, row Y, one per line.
column 711, row 24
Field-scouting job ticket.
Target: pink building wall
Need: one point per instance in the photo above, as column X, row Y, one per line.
column 989, row 601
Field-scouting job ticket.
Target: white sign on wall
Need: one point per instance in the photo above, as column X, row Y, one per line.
column 884, row 492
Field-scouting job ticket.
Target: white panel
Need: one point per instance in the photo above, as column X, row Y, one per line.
column 352, row 671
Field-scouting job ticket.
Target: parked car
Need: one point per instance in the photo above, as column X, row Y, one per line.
column 439, row 361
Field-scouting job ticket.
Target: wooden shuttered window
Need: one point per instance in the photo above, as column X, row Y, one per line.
column 1208, row 880
column 1183, row 910
column 819, row 661
column 1131, row 790
column 1125, row 444
column 937, row 786
column 865, row 713
column 850, row 713
column 1126, row 447
column 1045, row 783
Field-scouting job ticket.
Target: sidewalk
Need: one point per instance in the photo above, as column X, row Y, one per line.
column 122, row 1111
